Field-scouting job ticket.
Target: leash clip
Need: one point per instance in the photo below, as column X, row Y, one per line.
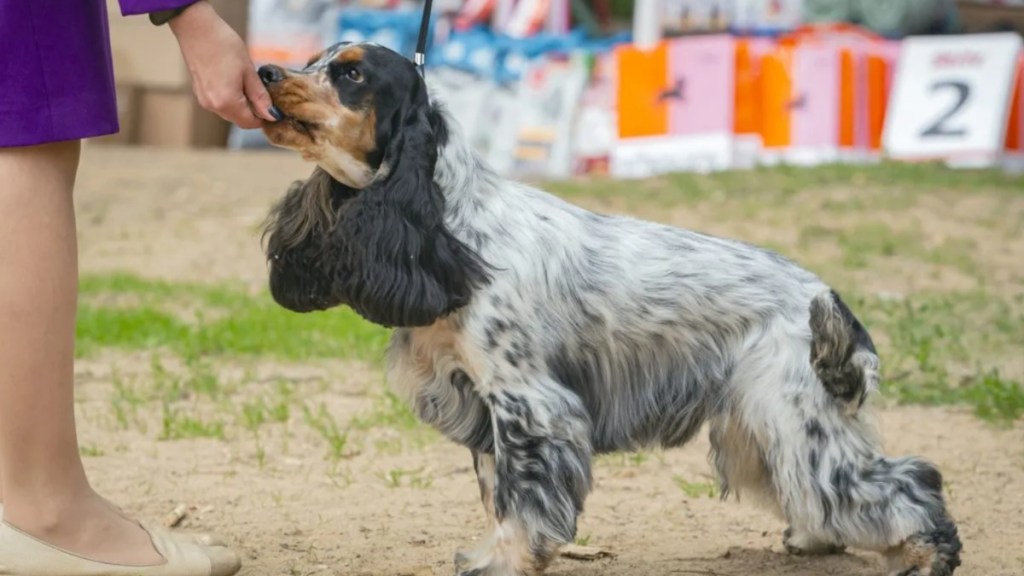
column 420, row 60
column 420, row 57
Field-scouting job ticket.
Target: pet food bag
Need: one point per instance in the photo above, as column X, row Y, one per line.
column 548, row 96
column 594, row 134
column 395, row 29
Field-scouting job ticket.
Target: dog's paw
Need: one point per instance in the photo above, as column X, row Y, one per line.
column 799, row 543
column 464, row 564
column 483, row 562
column 934, row 553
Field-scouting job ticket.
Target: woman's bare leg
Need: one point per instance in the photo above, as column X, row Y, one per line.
column 44, row 486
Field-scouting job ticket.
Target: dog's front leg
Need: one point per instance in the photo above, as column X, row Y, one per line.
column 483, row 464
column 541, row 478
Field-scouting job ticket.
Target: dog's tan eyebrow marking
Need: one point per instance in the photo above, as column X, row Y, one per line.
column 315, row 58
column 354, row 54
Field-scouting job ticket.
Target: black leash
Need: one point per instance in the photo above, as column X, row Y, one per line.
column 420, row 59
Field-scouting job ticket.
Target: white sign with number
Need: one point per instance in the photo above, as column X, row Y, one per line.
column 951, row 98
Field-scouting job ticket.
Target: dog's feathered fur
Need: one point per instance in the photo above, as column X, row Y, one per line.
column 538, row 334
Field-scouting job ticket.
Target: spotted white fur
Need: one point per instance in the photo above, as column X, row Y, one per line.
column 602, row 333
column 538, row 334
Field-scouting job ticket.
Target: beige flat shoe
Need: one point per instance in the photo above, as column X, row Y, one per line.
column 25, row 555
column 200, row 538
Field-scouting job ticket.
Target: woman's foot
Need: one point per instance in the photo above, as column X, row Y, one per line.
column 25, row 555
column 88, row 527
column 201, row 538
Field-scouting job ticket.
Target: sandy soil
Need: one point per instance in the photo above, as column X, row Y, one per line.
column 401, row 502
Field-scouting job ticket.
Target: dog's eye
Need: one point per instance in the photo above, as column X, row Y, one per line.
column 354, row 75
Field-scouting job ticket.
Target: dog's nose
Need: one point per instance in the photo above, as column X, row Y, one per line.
column 271, row 74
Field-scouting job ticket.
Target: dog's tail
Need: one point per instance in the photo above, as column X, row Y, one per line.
column 842, row 353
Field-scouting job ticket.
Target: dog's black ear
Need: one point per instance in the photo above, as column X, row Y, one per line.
column 401, row 265
column 297, row 243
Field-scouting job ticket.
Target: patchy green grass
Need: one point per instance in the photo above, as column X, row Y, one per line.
column 941, row 344
column 947, row 348
column 937, row 348
column 696, row 489
column 179, row 425
column 389, row 411
column 400, row 477
column 771, row 185
column 628, row 459
column 392, row 413
column 263, row 410
column 333, row 435
column 192, row 320
column 994, row 398
column 90, row 451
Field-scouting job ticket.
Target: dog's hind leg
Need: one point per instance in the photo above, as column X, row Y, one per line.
column 824, row 466
column 744, row 472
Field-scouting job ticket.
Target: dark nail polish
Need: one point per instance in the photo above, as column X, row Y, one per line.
column 275, row 113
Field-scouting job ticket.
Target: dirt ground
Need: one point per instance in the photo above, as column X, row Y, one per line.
column 396, row 505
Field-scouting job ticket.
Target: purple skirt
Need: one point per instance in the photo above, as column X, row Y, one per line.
column 56, row 75
column 56, row 71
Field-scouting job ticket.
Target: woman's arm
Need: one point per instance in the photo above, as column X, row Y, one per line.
column 132, row 7
column 224, row 77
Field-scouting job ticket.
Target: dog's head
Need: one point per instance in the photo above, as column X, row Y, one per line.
column 367, row 229
column 344, row 109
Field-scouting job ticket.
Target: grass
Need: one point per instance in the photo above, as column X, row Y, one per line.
column 261, row 410
column 392, row 413
column 995, row 398
column 399, row 477
column 940, row 348
column 90, row 451
column 324, row 423
column 940, row 344
column 388, row 411
column 130, row 313
column 125, row 402
column 696, row 489
column 627, row 459
column 178, row 425
column 771, row 185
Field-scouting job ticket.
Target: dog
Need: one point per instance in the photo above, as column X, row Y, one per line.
column 538, row 334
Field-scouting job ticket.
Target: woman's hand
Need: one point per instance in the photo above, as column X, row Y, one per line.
column 223, row 75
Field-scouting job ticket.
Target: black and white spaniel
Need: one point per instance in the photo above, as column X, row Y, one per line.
column 538, row 334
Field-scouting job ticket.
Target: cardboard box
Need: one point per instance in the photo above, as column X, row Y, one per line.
column 156, row 106
column 173, row 119
column 148, row 56
column 978, row 16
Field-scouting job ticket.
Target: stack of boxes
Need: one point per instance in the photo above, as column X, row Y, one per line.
column 156, row 106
